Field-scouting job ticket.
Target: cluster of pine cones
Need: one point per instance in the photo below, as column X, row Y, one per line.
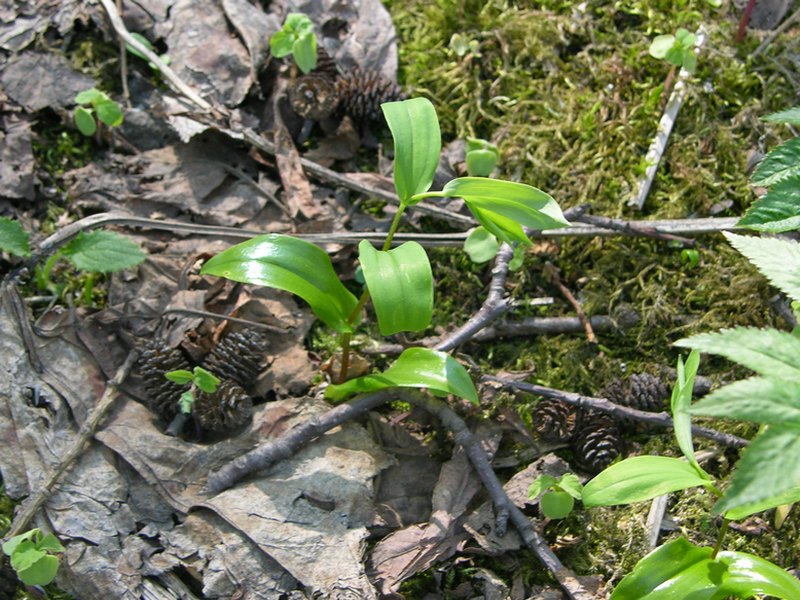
column 324, row 92
column 236, row 360
column 596, row 437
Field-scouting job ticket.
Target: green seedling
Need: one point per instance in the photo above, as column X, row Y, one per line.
column 31, row 554
column 297, row 38
column 677, row 50
column 482, row 157
column 146, row 43
column 94, row 103
column 198, row 379
column 558, row 495
column 690, row 258
column 463, row 47
column 398, row 281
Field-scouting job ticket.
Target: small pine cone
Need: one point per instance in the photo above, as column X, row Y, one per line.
column 314, row 96
column 156, row 359
column 325, row 64
column 224, row 410
column 238, row 356
column 597, row 443
column 642, row 391
column 8, row 579
column 362, row 92
column 554, row 420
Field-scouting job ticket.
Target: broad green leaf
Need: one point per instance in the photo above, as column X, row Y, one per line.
column 50, row 543
column 640, row 478
column 523, row 204
column 208, row 382
column 25, row 554
column 665, row 567
column 480, row 245
column 661, row 45
column 298, row 23
column 745, row 510
column 767, row 351
column 770, row 465
column 109, row 113
column 503, row 228
column 293, row 265
column 689, row 61
column 280, row 44
column 42, row 572
column 676, row 55
column 790, row 116
column 400, row 283
column 103, row 252
column 417, row 145
column 570, row 483
column 758, row 399
column 415, row 368
column 481, row 163
column 10, row 546
column 480, row 144
column 540, row 485
column 749, row 575
column 304, row 51
column 13, row 237
column 179, row 376
column 779, row 164
column 777, row 259
column 778, row 210
column 680, row 403
column 84, row 121
column 685, row 37
column 91, row 96
column 556, row 505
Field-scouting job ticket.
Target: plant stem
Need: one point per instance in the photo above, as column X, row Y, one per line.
column 43, row 279
column 88, row 287
column 721, row 538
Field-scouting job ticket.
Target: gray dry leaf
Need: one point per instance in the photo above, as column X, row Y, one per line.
column 16, row 157
column 22, row 20
column 255, row 28
column 36, row 81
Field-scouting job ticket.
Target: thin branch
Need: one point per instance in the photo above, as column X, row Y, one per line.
column 123, row 62
column 551, row 273
column 87, row 430
column 641, row 228
column 775, row 33
column 661, row 419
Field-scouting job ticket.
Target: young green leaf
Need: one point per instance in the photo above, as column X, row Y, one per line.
column 91, row 96
column 680, row 403
column 298, row 23
column 790, row 116
column 50, row 543
column 758, row 399
column 415, row 368
column 109, row 113
column 417, row 145
column 400, row 283
column 42, row 572
column 540, row 485
column 10, row 546
column 304, row 51
column 689, row 61
column 570, row 483
column 207, row 382
column 767, row 351
column 745, row 510
column 480, row 245
column 293, row 265
column 25, row 555
column 640, row 478
column 776, row 211
column 103, row 252
column 84, row 121
column 776, row 259
column 280, row 44
column 179, row 376
column 749, row 576
column 556, row 505
column 779, row 164
column 660, row 45
column 143, row 41
column 13, row 237
column 481, row 163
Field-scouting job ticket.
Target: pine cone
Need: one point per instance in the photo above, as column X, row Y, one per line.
column 8, row 579
column 238, row 356
column 314, row 96
column 224, row 410
column 642, row 391
column 361, row 94
column 156, row 359
column 554, row 420
column 597, row 443
column 326, row 65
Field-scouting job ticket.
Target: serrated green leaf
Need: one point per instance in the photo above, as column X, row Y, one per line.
column 758, row 399
column 42, row 572
column 400, row 283
column 13, row 237
column 790, row 116
column 417, row 145
column 109, row 113
column 280, row 44
column 770, row 465
column 293, row 265
column 540, row 485
column 556, row 505
column 777, row 211
column 777, row 259
column 480, row 245
column 779, row 164
column 570, row 483
column 680, row 403
column 304, row 51
column 745, row 510
column 84, row 121
column 90, row 96
column 208, row 382
column 661, row 45
column 103, row 252
column 640, row 478
column 767, row 351
column 179, row 376
column 414, row 368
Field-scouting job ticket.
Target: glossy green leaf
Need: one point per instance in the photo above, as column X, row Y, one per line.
column 790, row 116
column 680, row 403
column 280, row 44
column 480, row 245
column 640, row 478
column 91, row 96
column 293, row 265
column 13, row 237
column 109, row 113
column 84, row 121
column 304, row 51
column 417, row 145
column 777, row 259
column 400, row 283
column 540, row 485
column 745, row 510
column 41, row 572
column 414, row 368
column 779, row 164
column 660, row 45
column 481, row 163
column 778, row 210
column 767, row 351
column 502, row 228
column 758, row 399
column 207, row 382
column 749, row 575
column 570, row 484
column 103, row 252
column 769, row 466
column 179, row 376
column 556, row 505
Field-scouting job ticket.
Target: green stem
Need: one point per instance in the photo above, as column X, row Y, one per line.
column 88, row 286
column 43, row 278
column 722, row 531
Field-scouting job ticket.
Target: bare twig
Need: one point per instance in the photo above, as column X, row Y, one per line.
column 642, row 228
column 551, row 273
column 748, row 11
column 661, row 419
column 123, row 62
column 775, row 33
column 87, row 430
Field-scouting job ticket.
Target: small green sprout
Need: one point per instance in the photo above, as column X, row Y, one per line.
column 93, row 103
column 464, row 47
column 297, row 38
column 482, row 157
column 31, row 555
column 690, row 258
column 558, row 495
column 199, row 379
column 146, row 43
column 677, row 50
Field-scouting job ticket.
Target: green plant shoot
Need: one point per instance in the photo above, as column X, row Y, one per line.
column 482, row 157
column 94, row 103
column 146, row 43
column 297, row 38
column 558, row 495
column 31, row 555
column 677, row 50
column 198, row 378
